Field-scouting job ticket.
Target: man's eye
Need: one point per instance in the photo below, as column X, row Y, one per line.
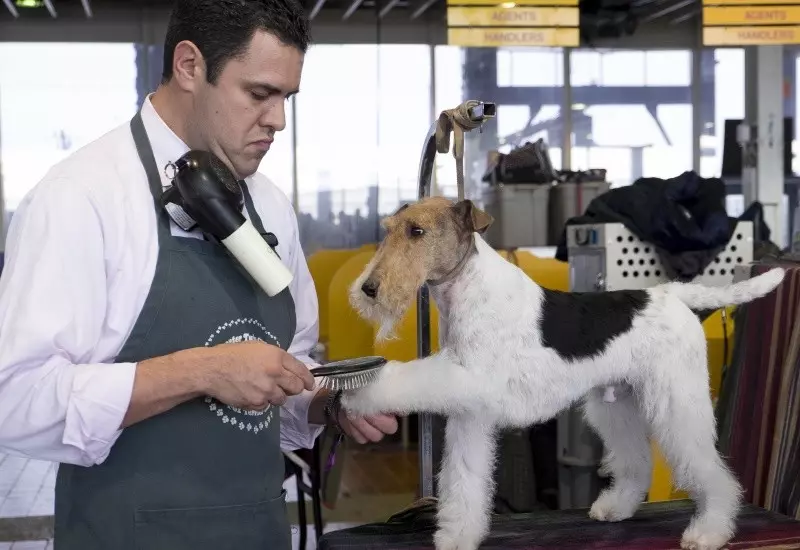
column 259, row 97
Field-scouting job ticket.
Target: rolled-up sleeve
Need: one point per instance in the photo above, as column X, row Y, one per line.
column 296, row 432
column 58, row 401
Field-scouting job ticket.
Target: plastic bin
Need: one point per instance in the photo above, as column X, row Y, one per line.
column 520, row 213
column 568, row 200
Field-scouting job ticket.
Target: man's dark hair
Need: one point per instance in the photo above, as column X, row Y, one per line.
column 222, row 29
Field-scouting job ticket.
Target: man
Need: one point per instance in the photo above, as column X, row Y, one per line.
column 140, row 356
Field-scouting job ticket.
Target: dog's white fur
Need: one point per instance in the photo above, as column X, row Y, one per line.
column 493, row 372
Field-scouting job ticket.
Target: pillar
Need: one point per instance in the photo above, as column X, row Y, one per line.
column 763, row 170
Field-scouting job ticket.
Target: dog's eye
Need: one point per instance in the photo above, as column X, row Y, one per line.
column 415, row 231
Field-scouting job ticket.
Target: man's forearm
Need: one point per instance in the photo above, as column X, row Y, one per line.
column 164, row 382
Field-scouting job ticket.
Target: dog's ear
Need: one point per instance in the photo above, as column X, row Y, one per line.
column 472, row 218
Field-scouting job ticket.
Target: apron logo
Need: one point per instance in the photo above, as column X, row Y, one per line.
column 241, row 330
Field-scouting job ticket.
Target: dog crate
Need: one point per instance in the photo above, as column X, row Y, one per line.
column 520, row 213
column 609, row 257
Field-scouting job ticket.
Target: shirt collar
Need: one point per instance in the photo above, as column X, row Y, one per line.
column 167, row 146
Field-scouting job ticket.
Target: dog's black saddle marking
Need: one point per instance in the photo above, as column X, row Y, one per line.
column 579, row 325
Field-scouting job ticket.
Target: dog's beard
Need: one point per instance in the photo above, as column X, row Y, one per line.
column 385, row 315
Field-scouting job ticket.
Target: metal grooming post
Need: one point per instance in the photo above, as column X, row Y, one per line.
column 478, row 113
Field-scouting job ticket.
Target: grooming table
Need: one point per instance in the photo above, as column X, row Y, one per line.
column 657, row 526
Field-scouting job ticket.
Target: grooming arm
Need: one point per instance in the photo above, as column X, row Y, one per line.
column 434, row 384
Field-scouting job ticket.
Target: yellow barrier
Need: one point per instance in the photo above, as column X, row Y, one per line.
column 348, row 334
column 546, row 272
column 323, row 265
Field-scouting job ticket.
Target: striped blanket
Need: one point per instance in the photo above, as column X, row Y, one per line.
column 758, row 411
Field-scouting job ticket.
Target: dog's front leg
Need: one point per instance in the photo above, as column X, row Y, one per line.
column 466, row 487
column 434, row 384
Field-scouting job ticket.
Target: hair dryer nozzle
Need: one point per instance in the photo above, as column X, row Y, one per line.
column 259, row 260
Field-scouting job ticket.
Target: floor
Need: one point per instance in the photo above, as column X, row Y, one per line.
column 376, row 482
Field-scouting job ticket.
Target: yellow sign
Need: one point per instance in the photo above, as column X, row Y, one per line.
column 513, row 17
column 500, row 3
column 752, row 15
column 750, row 2
column 505, row 37
column 750, row 36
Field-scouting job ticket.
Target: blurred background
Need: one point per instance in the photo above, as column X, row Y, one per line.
column 373, row 82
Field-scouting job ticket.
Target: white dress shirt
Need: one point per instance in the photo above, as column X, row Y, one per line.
column 80, row 258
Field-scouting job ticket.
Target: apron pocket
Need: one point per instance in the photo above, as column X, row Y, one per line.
column 237, row 527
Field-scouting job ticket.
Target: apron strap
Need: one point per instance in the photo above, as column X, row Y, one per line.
column 271, row 239
column 145, row 151
column 251, row 209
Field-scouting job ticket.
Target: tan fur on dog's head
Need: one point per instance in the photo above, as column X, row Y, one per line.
column 424, row 241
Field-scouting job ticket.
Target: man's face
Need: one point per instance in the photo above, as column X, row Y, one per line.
column 238, row 116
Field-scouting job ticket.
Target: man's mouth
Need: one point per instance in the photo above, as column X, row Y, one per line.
column 262, row 145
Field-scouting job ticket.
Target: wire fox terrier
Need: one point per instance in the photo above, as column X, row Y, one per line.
column 514, row 354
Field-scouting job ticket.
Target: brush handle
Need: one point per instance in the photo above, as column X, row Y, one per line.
column 349, row 366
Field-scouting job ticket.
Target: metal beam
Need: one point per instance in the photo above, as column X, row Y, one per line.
column 387, row 8
column 316, row 9
column 666, row 11
column 422, row 8
column 87, row 8
column 352, row 9
column 685, row 17
column 595, row 95
column 49, row 5
column 652, row 108
column 11, row 8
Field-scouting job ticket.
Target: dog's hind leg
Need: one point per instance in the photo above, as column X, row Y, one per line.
column 678, row 404
column 466, row 483
column 623, row 429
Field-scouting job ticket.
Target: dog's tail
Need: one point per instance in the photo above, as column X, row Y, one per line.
column 699, row 297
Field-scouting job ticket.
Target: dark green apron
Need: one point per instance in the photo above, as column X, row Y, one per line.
column 202, row 476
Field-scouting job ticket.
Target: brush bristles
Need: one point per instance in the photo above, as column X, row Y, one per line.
column 352, row 381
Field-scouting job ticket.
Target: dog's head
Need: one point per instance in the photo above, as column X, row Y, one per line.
column 424, row 241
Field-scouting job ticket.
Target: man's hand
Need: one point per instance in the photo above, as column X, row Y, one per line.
column 248, row 375
column 368, row 428
column 360, row 428
column 253, row 374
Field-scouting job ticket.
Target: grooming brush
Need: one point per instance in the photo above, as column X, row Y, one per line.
column 349, row 374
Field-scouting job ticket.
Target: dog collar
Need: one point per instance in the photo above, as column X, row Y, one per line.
column 459, row 266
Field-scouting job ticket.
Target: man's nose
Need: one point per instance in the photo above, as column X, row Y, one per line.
column 274, row 116
column 370, row 288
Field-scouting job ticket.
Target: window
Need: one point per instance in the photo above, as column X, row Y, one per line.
column 628, row 118
column 50, row 107
column 527, row 85
column 360, row 127
column 726, row 87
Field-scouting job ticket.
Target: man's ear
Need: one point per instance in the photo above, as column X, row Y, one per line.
column 472, row 218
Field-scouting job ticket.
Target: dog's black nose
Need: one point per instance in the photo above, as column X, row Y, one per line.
column 370, row 288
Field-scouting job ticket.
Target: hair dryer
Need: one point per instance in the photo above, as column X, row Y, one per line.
column 205, row 193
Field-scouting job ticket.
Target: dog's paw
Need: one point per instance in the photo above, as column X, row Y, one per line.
column 359, row 403
column 694, row 539
column 448, row 541
column 611, row 506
